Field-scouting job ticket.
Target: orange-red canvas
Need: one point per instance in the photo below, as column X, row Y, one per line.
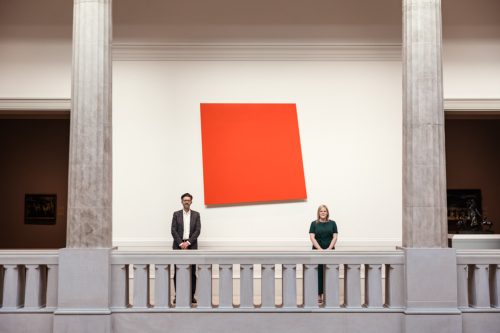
column 251, row 153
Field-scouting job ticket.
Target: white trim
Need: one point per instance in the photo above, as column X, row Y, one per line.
column 256, row 52
column 472, row 104
column 236, row 244
column 64, row 104
column 35, row 104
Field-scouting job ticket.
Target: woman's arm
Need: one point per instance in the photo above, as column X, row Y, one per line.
column 333, row 242
column 315, row 242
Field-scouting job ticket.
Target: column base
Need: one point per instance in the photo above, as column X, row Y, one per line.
column 82, row 323
column 433, row 323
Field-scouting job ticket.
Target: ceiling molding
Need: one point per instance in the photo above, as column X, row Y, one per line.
column 256, row 52
column 472, row 104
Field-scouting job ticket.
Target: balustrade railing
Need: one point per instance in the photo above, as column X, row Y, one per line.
column 353, row 281
column 247, row 281
column 28, row 281
column 478, row 280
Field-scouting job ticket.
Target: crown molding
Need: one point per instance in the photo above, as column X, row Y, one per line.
column 256, row 52
column 472, row 104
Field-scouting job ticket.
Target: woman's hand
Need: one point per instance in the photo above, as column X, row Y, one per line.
column 334, row 241
column 315, row 242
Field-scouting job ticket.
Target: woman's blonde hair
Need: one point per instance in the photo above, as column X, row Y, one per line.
column 327, row 212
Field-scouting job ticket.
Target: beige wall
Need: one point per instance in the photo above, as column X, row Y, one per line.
column 471, row 45
column 35, row 49
column 473, row 161
column 35, row 36
column 34, row 157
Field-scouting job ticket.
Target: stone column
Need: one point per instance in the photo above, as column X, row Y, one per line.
column 431, row 305
column 83, row 298
column 424, row 169
column 89, row 192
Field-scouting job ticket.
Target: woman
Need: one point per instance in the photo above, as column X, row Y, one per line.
column 323, row 234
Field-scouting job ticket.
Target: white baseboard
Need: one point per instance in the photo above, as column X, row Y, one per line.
column 235, row 244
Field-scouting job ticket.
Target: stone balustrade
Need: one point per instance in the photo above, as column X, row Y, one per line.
column 287, row 281
column 478, row 277
column 28, row 281
column 358, row 281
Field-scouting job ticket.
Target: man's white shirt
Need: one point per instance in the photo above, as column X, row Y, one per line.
column 186, row 220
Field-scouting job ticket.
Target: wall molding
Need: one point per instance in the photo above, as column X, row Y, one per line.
column 472, row 104
column 64, row 104
column 256, row 52
column 33, row 107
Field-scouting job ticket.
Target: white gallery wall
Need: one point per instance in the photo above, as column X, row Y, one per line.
column 471, row 49
column 350, row 113
column 350, row 126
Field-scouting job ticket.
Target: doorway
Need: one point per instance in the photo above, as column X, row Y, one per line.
column 34, row 151
column 473, row 163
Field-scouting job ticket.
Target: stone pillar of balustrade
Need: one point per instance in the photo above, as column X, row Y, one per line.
column 84, row 266
column 431, row 305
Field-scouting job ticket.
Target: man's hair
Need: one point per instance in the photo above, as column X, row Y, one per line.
column 186, row 195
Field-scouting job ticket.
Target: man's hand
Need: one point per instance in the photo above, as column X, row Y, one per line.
column 184, row 245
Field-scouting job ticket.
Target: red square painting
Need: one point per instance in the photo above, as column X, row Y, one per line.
column 251, row 153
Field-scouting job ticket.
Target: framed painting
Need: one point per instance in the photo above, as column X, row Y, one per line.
column 40, row 208
column 460, row 202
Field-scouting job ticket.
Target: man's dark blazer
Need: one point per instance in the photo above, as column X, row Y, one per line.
column 177, row 229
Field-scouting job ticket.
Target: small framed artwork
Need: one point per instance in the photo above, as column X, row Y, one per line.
column 40, row 208
column 461, row 204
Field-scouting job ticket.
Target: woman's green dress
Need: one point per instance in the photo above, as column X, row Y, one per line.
column 323, row 233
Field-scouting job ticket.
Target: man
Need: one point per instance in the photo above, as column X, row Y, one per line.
column 186, row 227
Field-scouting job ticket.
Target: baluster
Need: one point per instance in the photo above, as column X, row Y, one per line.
column 289, row 286
column 183, row 286
column 11, row 287
column 33, row 288
column 394, row 279
column 480, row 287
column 141, row 286
column 495, row 288
column 332, row 286
column 120, row 286
column 352, row 286
column 204, row 286
column 268, row 291
column 52, row 277
column 462, row 285
column 162, row 286
column 246, row 286
column 310, row 286
column 373, row 286
column 225, row 286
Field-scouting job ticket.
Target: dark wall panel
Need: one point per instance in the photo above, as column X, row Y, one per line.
column 33, row 159
column 473, row 161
